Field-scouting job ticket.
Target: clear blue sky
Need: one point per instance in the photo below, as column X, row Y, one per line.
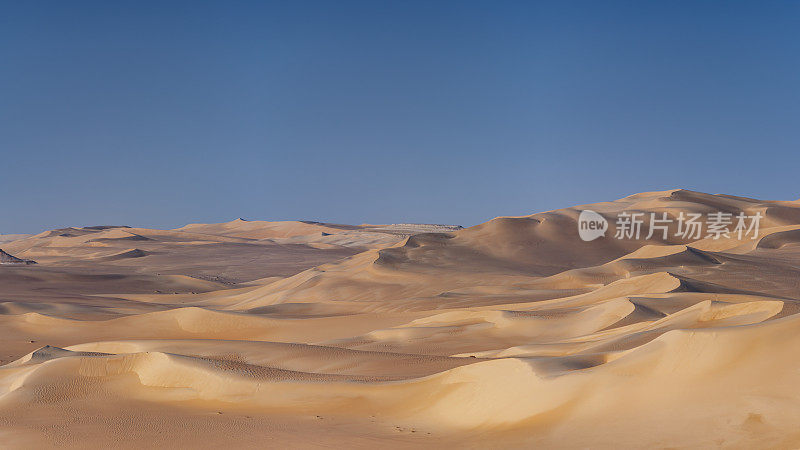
column 162, row 113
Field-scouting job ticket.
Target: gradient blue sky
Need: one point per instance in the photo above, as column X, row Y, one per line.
column 162, row 113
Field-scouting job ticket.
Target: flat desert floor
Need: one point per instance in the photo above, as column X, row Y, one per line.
column 510, row 334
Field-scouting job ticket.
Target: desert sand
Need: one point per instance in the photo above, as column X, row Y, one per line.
column 510, row 334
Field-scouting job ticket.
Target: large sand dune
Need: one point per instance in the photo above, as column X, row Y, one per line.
column 512, row 333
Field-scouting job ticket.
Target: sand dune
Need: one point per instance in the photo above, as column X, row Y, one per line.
column 12, row 237
column 512, row 333
column 261, row 229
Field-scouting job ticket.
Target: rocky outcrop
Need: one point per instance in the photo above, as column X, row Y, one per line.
column 5, row 258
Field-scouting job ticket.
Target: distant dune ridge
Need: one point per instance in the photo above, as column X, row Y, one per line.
column 512, row 333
